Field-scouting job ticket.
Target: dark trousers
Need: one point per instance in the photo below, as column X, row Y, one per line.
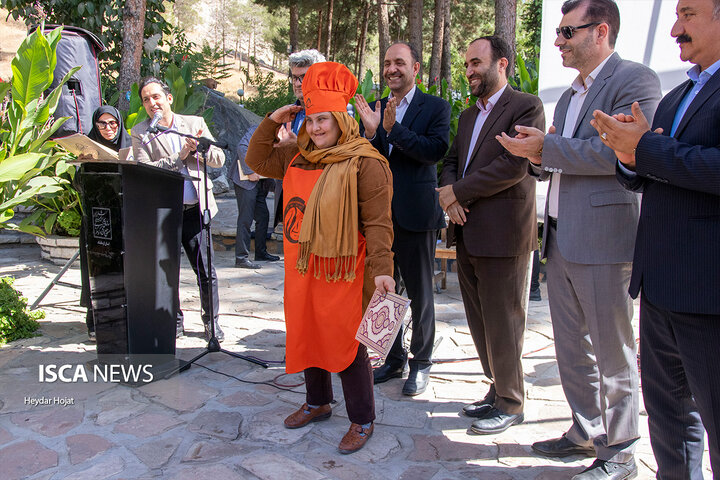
column 493, row 292
column 681, row 388
column 251, row 206
column 357, row 384
column 193, row 242
column 414, row 262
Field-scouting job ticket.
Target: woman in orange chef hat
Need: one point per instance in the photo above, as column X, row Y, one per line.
column 337, row 242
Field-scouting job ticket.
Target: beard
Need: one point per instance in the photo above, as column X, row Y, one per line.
column 488, row 81
column 579, row 55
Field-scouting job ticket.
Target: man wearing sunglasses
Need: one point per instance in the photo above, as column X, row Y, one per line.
column 590, row 225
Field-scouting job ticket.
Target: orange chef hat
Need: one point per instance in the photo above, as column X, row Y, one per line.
column 328, row 87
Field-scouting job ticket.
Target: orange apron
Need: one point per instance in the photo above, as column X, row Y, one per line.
column 321, row 317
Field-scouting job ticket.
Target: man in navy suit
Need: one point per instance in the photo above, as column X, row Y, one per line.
column 411, row 129
column 677, row 250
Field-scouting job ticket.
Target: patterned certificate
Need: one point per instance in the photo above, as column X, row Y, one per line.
column 381, row 322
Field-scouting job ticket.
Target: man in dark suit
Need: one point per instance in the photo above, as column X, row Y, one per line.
column 490, row 199
column 411, row 129
column 588, row 239
column 251, row 195
column 677, row 251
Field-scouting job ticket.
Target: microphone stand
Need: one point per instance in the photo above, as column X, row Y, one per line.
column 203, row 145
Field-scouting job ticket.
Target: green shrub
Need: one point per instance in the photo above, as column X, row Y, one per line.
column 69, row 223
column 15, row 321
column 271, row 94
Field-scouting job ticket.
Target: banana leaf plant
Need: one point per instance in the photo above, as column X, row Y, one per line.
column 33, row 173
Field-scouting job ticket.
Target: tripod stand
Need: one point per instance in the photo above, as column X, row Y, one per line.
column 56, row 281
column 203, row 145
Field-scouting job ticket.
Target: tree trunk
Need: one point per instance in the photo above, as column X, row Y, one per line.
column 384, row 37
column 445, row 65
column 415, row 24
column 328, row 28
column 437, row 44
column 319, row 33
column 362, row 44
column 132, row 47
column 294, row 16
column 505, row 18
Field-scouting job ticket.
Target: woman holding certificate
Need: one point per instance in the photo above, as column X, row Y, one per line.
column 337, row 244
column 107, row 129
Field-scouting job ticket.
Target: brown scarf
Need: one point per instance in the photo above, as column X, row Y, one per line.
column 330, row 224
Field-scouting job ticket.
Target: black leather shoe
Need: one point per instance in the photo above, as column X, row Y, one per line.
column 417, row 381
column 385, row 372
column 246, row 263
column 561, row 447
column 266, row 257
column 496, row 421
column 535, row 295
column 219, row 334
column 480, row 408
column 604, row 470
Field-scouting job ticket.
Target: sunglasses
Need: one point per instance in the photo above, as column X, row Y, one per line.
column 568, row 31
column 297, row 79
column 110, row 124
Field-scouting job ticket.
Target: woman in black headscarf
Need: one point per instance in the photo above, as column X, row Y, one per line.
column 108, row 129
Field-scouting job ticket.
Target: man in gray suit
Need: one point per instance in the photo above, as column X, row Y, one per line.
column 588, row 239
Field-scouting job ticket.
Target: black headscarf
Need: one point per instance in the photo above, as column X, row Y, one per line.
column 122, row 138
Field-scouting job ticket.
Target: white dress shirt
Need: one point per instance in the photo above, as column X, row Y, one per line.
column 401, row 109
column 190, row 196
column 480, row 121
column 580, row 89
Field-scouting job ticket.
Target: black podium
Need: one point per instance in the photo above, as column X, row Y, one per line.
column 133, row 218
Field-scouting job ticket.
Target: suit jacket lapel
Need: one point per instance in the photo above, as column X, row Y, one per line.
column 664, row 118
column 490, row 120
column 561, row 109
column 597, row 85
column 165, row 141
column 469, row 124
column 413, row 109
column 707, row 91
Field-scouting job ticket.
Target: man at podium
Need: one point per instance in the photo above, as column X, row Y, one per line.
column 166, row 149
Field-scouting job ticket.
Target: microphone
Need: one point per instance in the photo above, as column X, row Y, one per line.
column 153, row 128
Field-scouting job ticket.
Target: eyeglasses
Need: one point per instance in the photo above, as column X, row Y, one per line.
column 568, row 31
column 297, row 78
column 105, row 125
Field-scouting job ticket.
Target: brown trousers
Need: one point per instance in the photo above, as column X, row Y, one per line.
column 493, row 290
column 357, row 384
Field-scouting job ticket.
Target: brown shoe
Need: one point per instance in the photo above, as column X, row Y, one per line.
column 306, row 415
column 355, row 438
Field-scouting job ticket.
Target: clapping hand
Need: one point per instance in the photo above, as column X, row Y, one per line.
column 369, row 117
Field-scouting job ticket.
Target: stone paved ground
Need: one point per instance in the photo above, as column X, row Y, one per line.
column 205, row 424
